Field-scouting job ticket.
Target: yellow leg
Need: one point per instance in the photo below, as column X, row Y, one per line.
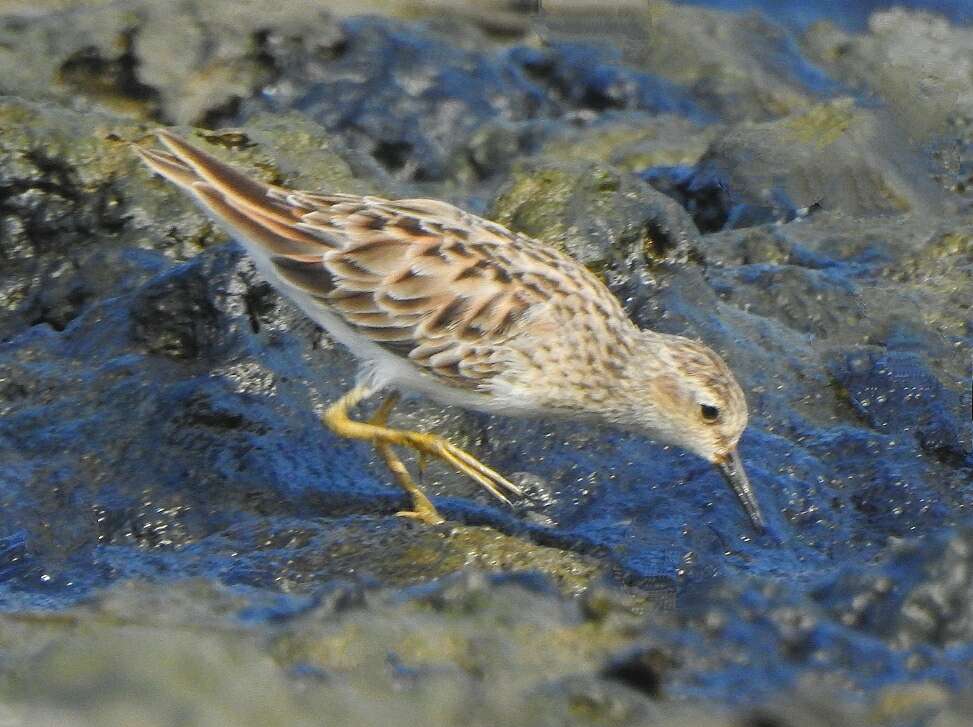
column 422, row 509
column 383, row 437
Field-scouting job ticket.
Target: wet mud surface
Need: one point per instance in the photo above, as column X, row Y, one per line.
column 180, row 538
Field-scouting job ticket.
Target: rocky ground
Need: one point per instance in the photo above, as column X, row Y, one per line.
column 182, row 542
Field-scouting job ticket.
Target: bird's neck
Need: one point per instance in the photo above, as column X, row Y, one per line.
column 645, row 376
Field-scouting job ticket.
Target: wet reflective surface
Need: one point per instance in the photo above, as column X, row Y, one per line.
column 769, row 189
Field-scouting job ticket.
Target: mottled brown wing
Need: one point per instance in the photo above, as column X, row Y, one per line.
column 422, row 278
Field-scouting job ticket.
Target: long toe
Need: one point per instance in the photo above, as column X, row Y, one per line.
column 428, row 516
column 475, row 474
column 489, row 473
column 462, row 461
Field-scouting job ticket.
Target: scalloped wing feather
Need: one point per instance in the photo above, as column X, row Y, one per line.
column 423, row 279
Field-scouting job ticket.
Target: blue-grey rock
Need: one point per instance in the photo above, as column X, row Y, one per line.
column 170, row 499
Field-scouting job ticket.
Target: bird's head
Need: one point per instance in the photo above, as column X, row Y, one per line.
column 681, row 392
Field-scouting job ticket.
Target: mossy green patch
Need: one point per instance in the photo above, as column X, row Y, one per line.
column 533, row 203
column 664, row 141
column 823, row 124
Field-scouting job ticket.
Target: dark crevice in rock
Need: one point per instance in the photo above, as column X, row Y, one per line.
column 260, row 302
column 175, row 317
column 658, row 241
column 91, row 72
column 68, row 309
column 706, row 199
column 217, row 115
column 392, row 154
column 643, row 670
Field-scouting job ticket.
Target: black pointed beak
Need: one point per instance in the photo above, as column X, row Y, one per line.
column 732, row 469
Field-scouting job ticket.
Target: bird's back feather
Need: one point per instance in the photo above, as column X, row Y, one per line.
column 440, row 289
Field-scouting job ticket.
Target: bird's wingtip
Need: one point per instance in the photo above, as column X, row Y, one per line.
column 173, row 142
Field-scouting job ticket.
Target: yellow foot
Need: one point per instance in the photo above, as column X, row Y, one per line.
column 384, row 438
column 435, row 446
column 423, row 509
column 429, row 517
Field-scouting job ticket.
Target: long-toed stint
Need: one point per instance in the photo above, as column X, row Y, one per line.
column 440, row 302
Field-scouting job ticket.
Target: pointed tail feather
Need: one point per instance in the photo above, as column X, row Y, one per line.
column 239, row 189
column 167, row 166
column 253, row 211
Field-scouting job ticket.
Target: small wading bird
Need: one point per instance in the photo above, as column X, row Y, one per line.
column 440, row 302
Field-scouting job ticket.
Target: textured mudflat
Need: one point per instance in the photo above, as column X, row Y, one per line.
column 181, row 539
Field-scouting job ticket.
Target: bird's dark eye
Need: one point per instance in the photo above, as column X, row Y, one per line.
column 709, row 412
